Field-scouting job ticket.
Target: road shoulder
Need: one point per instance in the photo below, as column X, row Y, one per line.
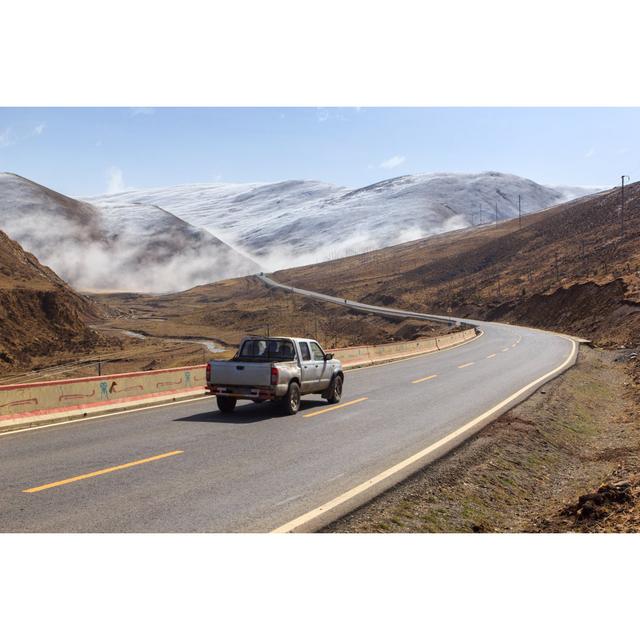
column 566, row 459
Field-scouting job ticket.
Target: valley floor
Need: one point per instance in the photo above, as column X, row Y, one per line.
column 566, row 459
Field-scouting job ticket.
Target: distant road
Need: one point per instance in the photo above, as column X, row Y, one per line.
column 186, row 467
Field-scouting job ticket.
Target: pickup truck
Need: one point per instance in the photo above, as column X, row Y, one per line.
column 277, row 369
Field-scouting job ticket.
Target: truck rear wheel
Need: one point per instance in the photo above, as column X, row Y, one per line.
column 226, row 404
column 335, row 390
column 291, row 402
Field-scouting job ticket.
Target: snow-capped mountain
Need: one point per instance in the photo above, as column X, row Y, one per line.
column 298, row 221
column 124, row 247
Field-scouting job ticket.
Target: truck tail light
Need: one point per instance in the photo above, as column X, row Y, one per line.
column 208, row 374
column 274, row 375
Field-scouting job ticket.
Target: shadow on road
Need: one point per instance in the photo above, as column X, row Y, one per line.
column 249, row 413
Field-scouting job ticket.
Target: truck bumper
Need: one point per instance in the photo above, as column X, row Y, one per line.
column 247, row 393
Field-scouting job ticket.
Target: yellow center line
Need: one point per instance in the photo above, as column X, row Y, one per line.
column 468, row 364
column 84, row 476
column 334, row 407
column 435, row 375
column 493, row 355
column 514, row 344
column 506, row 349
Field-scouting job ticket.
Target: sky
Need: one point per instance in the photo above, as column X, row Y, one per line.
column 90, row 151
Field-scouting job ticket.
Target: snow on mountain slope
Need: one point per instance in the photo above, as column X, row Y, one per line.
column 171, row 254
column 297, row 222
column 124, row 247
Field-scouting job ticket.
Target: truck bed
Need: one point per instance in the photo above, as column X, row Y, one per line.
column 241, row 373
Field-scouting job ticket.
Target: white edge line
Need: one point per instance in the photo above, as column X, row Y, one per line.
column 303, row 519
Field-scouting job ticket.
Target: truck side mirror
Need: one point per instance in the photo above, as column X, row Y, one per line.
column 328, row 356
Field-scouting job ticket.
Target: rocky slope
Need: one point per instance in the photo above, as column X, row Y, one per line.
column 39, row 313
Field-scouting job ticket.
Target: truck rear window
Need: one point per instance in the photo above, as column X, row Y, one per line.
column 267, row 350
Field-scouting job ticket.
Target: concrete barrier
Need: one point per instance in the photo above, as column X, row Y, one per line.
column 352, row 357
column 30, row 403
column 57, row 399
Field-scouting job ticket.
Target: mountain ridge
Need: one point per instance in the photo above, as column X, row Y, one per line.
column 279, row 223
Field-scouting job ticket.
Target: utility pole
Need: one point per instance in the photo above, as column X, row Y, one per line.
column 519, row 213
column 622, row 205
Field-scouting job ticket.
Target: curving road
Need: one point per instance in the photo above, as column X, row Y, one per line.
column 186, row 467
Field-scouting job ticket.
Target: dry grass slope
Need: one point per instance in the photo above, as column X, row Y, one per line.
column 568, row 268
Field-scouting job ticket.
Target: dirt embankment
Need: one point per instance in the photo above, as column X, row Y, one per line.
column 603, row 312
column 39, row 314
column 567, row 459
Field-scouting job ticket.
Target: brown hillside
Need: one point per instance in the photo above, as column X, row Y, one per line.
column 569, row 267
column 39, row 313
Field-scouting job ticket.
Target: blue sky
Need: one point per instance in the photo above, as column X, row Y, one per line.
column 86, row 151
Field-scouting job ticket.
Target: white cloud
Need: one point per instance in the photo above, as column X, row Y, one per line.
column 142, row 111
column 392, row 162
column 6, row 138
column 590, row 153
column 115, row 180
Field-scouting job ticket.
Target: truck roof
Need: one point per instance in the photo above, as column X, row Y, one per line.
column 275, row 338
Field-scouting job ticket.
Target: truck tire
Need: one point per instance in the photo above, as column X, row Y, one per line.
column 335, row 390
column 226, row 404
column 291, row 402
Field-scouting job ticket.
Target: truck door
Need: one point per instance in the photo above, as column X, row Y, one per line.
column 324, row 369
column 309, row 369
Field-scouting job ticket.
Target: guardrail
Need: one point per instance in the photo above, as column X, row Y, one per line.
column 30, row 403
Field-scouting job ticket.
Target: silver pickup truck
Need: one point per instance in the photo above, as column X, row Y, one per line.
column 277, row 369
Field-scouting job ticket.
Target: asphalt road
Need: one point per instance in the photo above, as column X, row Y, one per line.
column 186, row 467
